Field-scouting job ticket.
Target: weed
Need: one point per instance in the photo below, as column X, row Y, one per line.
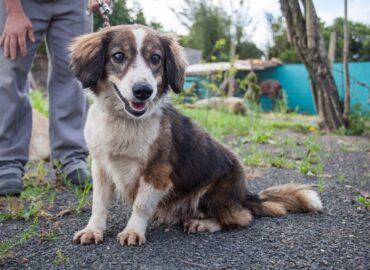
column 37, row 192
column 60, row 259
column 311, row 163
column 37, row 174
column 51, row 234
column 7, row 245
column 281, row 162
column 321, row 184
column 260, row 137
column 287, row 141
column 253, row 156
column 364, row 201
column 282, row 103
column 39, row 102
column 306, row 167
column 364, row 181
column 83, row 197
column 341, row 179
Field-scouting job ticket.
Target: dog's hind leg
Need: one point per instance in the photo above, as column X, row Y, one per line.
column 231, row 216
column 202, row 225
column 234, row 216
column 102, row 194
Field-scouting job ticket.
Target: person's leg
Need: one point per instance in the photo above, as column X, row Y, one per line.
column 15, row 108
column 68, row 105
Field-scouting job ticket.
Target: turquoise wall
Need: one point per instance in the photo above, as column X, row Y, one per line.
column 295, row 81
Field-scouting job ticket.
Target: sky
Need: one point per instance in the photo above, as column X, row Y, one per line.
column 327, row 10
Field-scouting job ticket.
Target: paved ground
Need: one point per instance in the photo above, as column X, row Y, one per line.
column 338, row 238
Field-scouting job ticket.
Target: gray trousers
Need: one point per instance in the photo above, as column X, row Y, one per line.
column 59, row 21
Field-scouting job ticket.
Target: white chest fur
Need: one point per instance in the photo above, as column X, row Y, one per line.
column 121, row 146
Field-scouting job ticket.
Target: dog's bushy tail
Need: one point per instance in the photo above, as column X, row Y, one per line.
column 279, row 200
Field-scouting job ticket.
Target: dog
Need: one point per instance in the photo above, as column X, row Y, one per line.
column 165, row 166
column 232, row 104
column 40, row 144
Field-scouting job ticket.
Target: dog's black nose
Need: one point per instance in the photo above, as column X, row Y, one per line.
column 142, row 90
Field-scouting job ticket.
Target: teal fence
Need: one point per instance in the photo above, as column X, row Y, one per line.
column 295, row 81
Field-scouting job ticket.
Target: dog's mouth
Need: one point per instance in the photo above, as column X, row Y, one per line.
column 136, row 108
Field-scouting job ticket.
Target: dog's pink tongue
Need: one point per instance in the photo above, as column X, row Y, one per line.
column 138, row 105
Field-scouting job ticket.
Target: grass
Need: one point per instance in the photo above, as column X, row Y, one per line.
column 34, row 203
column 39, row 102
column 341, row 179
column 60, row 258
column 82, row 194
column 6, row 246
column 255, row 129
column 320, row 184
column 83, row 197
column 37, row 195
column 258, row 127
column 33, row 231
column 364, row 201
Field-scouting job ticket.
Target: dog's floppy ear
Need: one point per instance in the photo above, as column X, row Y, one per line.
column 175, row 63
column 88, row 58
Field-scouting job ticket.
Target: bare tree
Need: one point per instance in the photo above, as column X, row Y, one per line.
column 304, row 32
column 347, row 99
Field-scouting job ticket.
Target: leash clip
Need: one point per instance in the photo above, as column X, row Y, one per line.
column 104, row 11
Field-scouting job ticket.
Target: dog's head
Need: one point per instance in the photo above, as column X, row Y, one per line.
column 135, row 62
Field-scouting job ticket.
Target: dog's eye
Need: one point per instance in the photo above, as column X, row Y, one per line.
column 119, row 57
column 155, row 58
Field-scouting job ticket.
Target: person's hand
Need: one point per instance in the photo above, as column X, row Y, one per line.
column 93, row 5
column 17, row 27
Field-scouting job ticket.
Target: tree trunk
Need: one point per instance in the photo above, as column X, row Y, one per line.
column 332, row 46
column 347, row 100
column 304, row 32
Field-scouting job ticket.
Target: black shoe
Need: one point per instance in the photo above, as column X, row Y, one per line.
column 79, row 177
column 10, row 184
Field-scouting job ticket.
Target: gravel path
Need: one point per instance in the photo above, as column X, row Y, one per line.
column 338, row 238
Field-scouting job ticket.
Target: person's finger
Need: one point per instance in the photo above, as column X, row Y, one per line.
column 93, row 6
column 2, row 38
column 13, row 47
column 30, row 34
column 6, row 46
column 22, row 43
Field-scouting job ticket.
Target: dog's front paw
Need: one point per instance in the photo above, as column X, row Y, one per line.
column 88, row 236
column 130, row 238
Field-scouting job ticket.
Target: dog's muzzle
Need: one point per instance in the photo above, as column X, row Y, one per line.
column 142, row 92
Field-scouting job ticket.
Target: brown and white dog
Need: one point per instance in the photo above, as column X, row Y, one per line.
column 161, row 163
